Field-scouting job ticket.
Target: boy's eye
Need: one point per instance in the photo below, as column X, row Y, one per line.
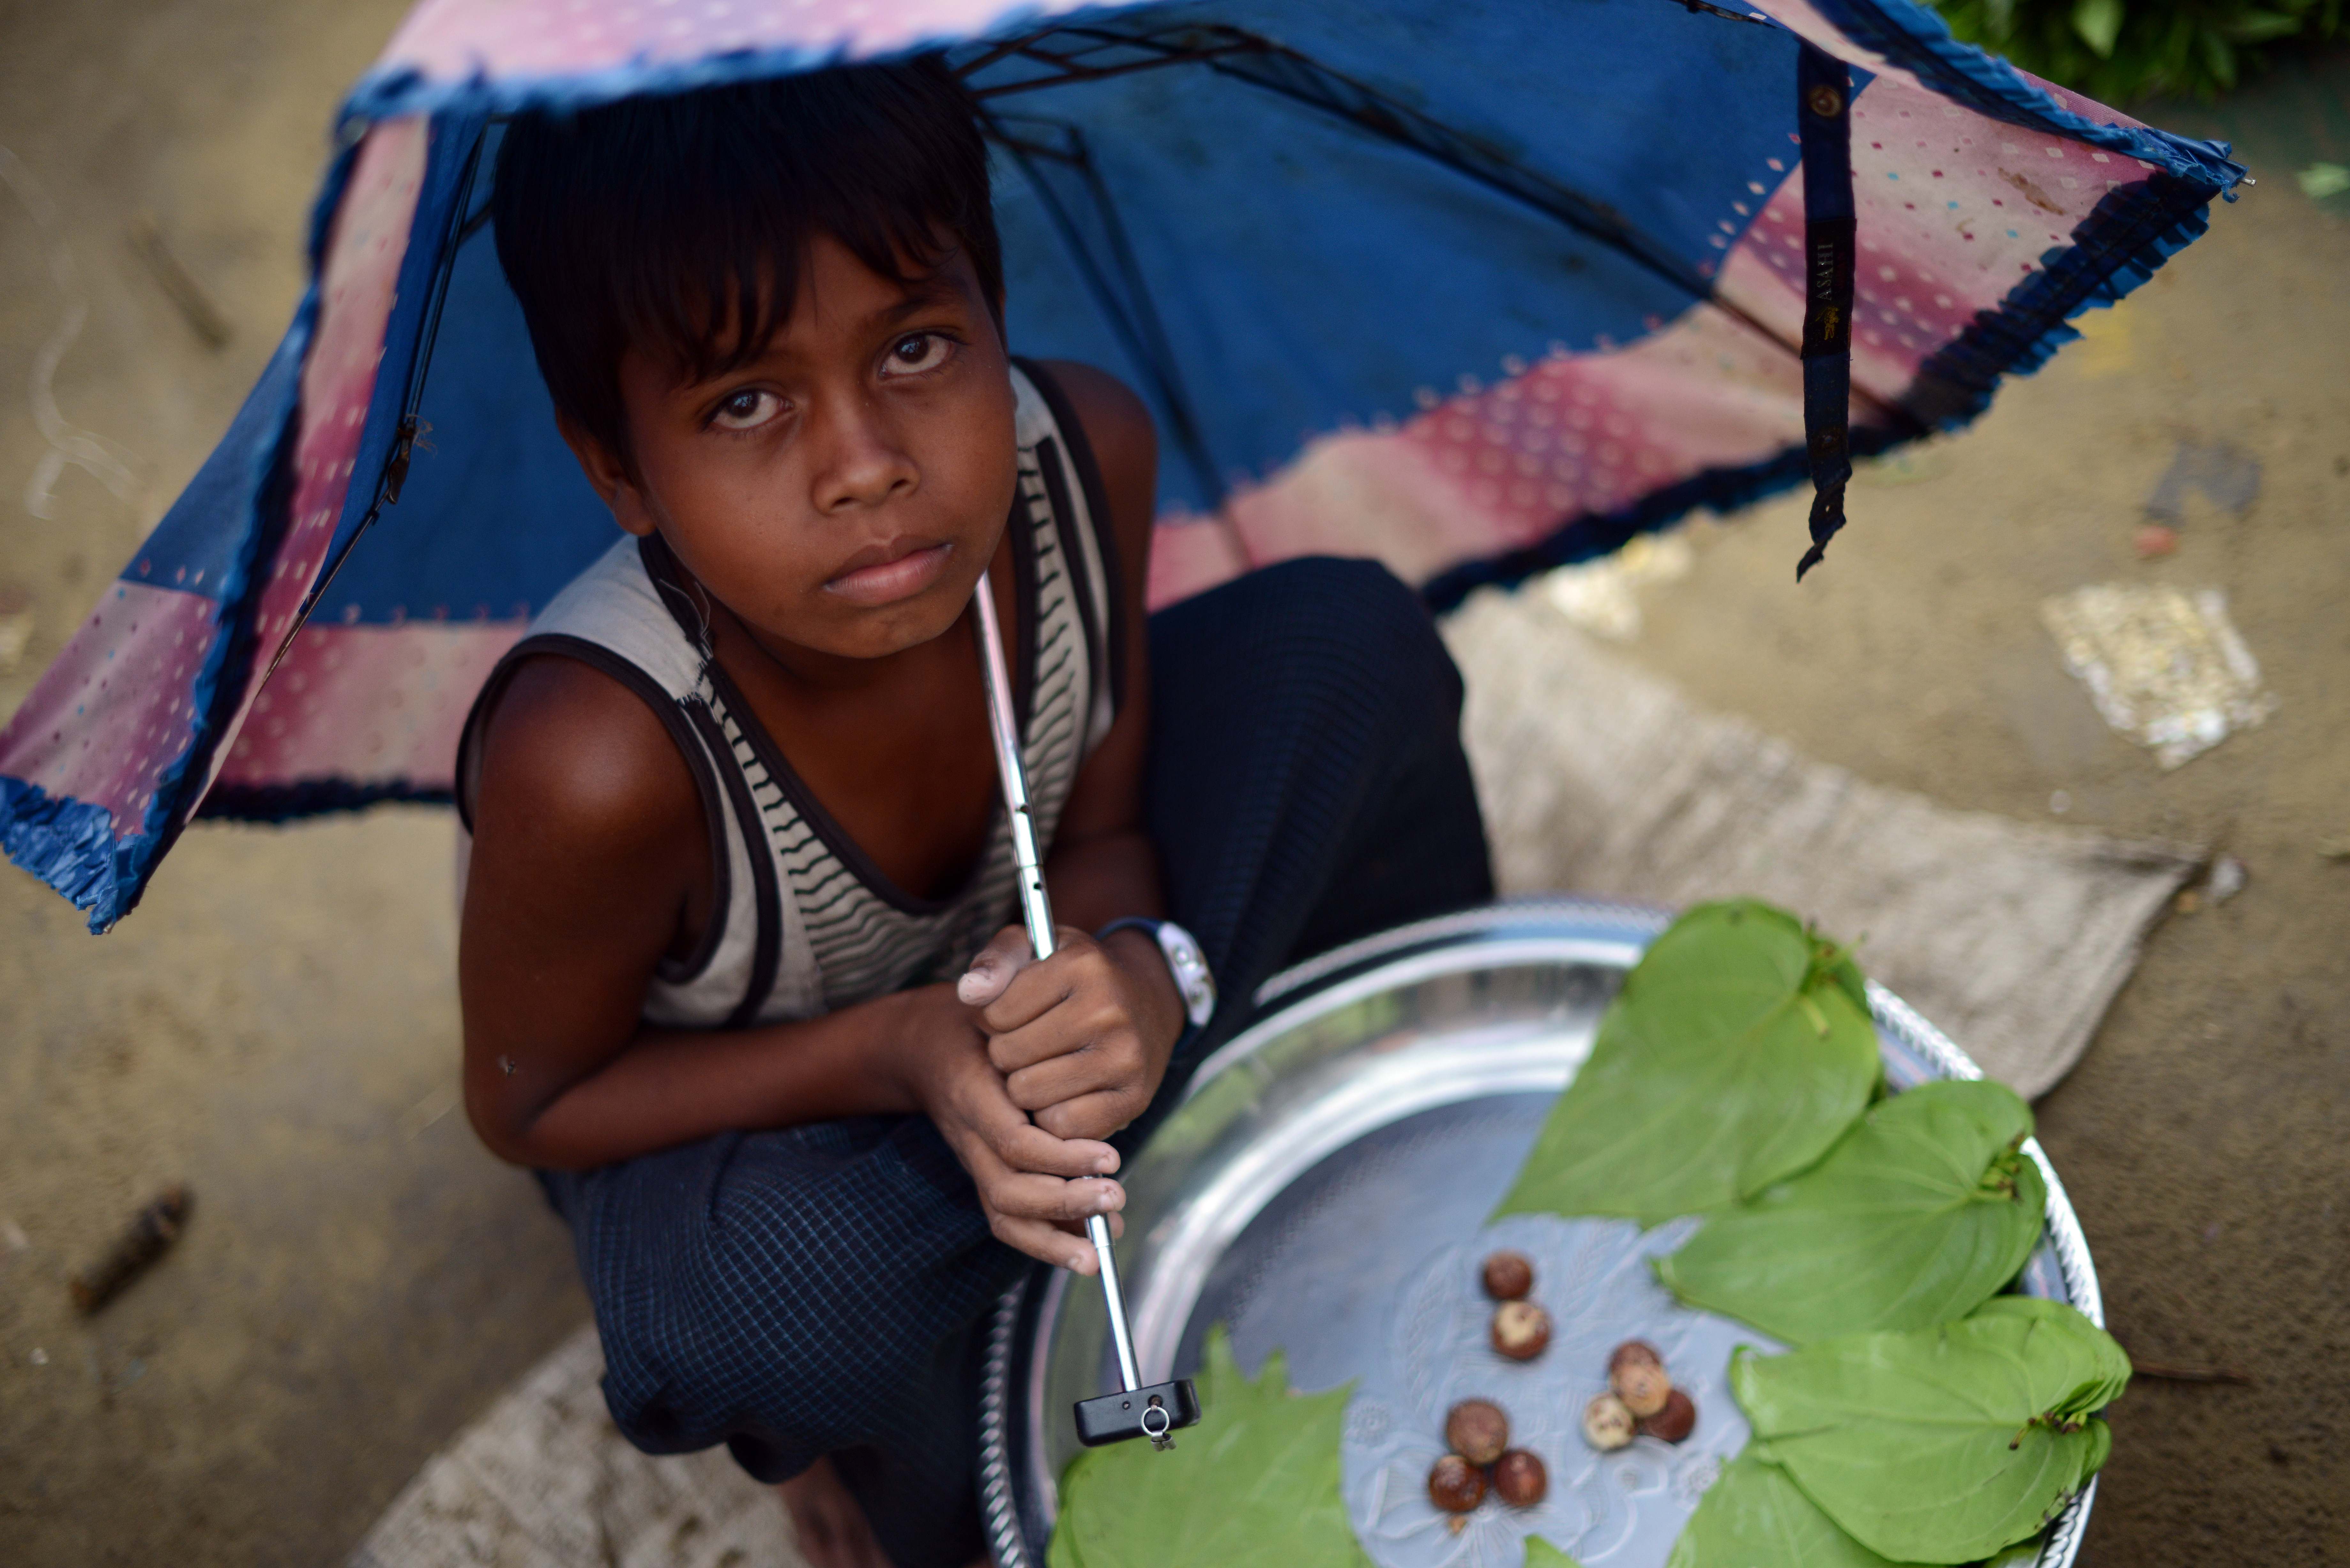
column 747, row 410
column 914, row 353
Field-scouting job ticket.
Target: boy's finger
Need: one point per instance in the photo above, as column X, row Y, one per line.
column 1046, row 1039
column 1023, row 1146
column 985, row 1114
column 1038, row 988
column 1026, row 1197
column 1059, row 1078
column 1008, row 1136
column 994, row 968
column 1047, row 1243
column 1006, row 1191
column 1090, row 1116
column 1117, row 1227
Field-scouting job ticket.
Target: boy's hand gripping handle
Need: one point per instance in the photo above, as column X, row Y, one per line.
column 1134, row 1411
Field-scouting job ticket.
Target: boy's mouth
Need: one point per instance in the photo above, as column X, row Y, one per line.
column 886, row 573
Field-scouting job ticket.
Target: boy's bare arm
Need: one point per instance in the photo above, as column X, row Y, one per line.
column 588, row 831
column 1102, row 867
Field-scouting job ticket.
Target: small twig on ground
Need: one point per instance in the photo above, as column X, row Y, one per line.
column 202, row 317
column 149, row 1235
column 2169, row 1373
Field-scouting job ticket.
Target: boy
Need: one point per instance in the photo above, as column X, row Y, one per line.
column 739, row 969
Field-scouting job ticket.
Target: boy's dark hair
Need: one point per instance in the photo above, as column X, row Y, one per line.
column 677, row 224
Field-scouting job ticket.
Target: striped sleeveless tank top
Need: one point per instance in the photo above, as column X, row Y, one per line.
column 802, row 922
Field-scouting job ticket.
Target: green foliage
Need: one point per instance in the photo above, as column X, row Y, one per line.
column 1754, row 1517
column 1925, row 1209
column 1541, row 1554
column 1738, row 1051
column 2118, row 51
column 1253, row 1485
column 1940, row 1445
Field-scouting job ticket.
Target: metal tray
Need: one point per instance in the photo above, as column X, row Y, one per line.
column 1321, row 1166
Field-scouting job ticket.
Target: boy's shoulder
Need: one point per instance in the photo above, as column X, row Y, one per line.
column 1116, row 419
column 1124, row 443
column 579, row 760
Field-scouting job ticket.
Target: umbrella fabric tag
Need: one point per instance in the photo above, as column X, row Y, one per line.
column 1823, row 114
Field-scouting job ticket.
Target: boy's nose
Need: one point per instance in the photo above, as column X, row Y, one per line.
column 863, row 463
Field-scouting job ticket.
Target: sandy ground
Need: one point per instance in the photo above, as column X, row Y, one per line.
column 275, row 1025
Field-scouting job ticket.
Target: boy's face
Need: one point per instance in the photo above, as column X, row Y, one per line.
column 842, row 493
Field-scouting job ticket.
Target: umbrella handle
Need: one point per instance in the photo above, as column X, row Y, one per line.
column 1036, row 911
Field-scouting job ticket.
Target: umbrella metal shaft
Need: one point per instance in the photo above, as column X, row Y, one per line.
column 1036, row 911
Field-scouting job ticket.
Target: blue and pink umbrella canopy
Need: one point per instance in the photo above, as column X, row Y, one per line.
column 1519, row 277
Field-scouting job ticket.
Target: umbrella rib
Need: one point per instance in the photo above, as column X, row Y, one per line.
column 1279, row 69
column 1285, row 72
column 1694, row 6
column 1394, row 122
column 1307, row 81
column 1430, row 138
column 1134, row 318
column 1072, row 67
column 462, row 224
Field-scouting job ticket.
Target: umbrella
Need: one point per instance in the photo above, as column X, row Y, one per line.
column 1529, row 275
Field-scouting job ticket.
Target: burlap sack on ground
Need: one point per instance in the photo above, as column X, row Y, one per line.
column 1599, row 778
column 546, row 1481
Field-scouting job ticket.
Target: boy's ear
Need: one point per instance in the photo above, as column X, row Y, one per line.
column 608, row 473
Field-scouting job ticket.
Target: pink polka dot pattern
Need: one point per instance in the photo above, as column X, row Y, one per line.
column 1955, row 210
column 368, row 705
column 356, row 287
column 453, row 40
column 114, row 712
column 1491, row 471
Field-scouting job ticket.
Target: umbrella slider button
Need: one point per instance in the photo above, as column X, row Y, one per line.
column 1154, row 1412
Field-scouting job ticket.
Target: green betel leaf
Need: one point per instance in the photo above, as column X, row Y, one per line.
column 1541, row 1554
column 1920, row 1213
column 1738, row 1051
column 1254, row 1483
column 1754, row 1517
column 1940, row 1445
column 2100, row 1369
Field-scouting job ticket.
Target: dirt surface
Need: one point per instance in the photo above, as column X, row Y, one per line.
column 276, row 1025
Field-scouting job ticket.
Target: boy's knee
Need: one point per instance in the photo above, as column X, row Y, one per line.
column 1359, row 623
column 1351, row 586
column 754, row 1312
column 1311, row 641
column 802, row 1348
